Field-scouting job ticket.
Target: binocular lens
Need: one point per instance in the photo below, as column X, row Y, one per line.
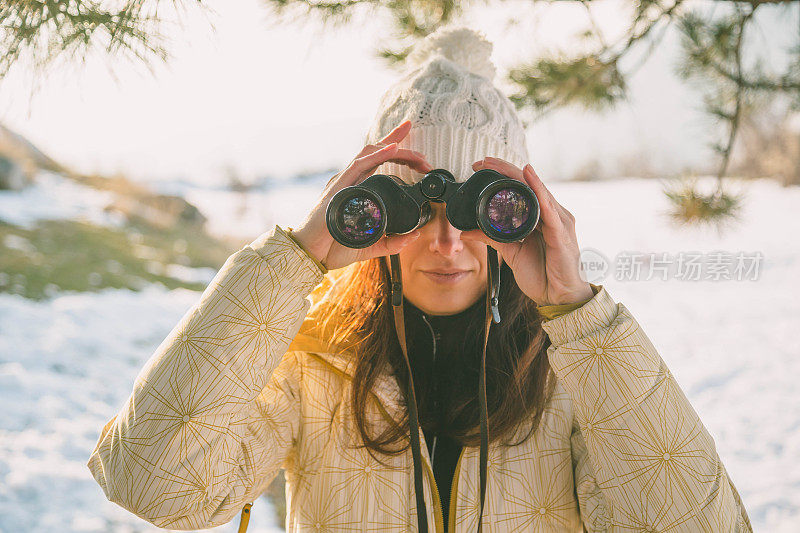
column 508, row 210
column 360, row 218
column 505, row 209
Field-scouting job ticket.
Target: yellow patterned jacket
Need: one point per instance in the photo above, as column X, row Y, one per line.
column 244, row 386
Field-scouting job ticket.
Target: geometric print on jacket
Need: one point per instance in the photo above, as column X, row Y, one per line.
column 245, row 384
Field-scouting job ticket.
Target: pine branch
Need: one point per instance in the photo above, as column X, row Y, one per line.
column 740, row 88
column 47, row 29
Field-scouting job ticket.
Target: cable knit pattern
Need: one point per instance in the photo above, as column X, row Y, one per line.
column 458, row 115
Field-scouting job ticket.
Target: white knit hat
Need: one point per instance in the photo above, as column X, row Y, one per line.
column 458, row 116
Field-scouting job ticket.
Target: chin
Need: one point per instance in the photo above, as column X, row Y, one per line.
column 439, row 301
column 442, row 297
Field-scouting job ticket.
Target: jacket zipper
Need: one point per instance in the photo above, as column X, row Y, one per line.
column 451, row 516
column 437, row 502
column 439, row 510
column 433, row 336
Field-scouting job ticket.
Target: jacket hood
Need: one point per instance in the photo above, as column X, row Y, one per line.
column 311, row 337
column 314, row 339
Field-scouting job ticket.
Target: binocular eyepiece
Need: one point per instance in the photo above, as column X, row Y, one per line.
column 505, row 209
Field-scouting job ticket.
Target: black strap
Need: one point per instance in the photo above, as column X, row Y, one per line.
column 413, row 420
column 492, row 313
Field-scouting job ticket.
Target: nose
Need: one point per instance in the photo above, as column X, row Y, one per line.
column 444, row 238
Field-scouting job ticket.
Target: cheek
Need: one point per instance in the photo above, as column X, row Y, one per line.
column 478, row 252
column 409, row 254
column 409, row 260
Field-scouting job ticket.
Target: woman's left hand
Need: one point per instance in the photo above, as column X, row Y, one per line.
column 546, row 262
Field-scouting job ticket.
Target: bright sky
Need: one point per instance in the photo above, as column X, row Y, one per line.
column 241, row 92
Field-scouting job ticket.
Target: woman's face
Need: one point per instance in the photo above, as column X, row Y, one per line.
column 442, row 274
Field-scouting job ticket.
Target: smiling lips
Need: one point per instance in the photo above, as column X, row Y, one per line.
column 446, row 276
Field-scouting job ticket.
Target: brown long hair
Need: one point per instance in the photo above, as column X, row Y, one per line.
column 518, row 381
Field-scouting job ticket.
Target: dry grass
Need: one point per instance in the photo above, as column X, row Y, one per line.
column 691, row 205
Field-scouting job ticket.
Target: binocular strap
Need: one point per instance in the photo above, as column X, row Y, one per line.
column 492, row 291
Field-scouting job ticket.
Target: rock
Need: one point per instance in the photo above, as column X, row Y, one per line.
column 160, row 210
column 12, row 176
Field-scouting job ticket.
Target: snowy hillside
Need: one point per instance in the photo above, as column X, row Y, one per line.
column 68, row 363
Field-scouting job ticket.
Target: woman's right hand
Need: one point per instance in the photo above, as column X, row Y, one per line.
column 313, row 233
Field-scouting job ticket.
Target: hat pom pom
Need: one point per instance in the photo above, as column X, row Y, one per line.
column 464, row 46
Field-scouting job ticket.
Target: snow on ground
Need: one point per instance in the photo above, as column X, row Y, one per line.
column 54, row 197
column 249, row 214
column 67, row 364
column 66, row 367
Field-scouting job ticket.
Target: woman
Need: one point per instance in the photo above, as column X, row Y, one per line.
column 291, row 360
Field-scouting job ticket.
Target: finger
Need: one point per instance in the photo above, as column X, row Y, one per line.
column 391, row 244
column 500, row 165
column 401, row 156
column 405, row 154
column 398, row 155
column 505, row 249
column 512, row 171
column 474, row 235
column 332, row 180
column 550, row 209
column 533, row 179
column 398, row 133
column 413, row 159
column 360, row 167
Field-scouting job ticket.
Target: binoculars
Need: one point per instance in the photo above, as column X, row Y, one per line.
column 505, row 209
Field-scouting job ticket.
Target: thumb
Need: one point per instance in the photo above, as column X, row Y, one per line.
column 475, row 235
column 392, row 244
column 504, row 249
